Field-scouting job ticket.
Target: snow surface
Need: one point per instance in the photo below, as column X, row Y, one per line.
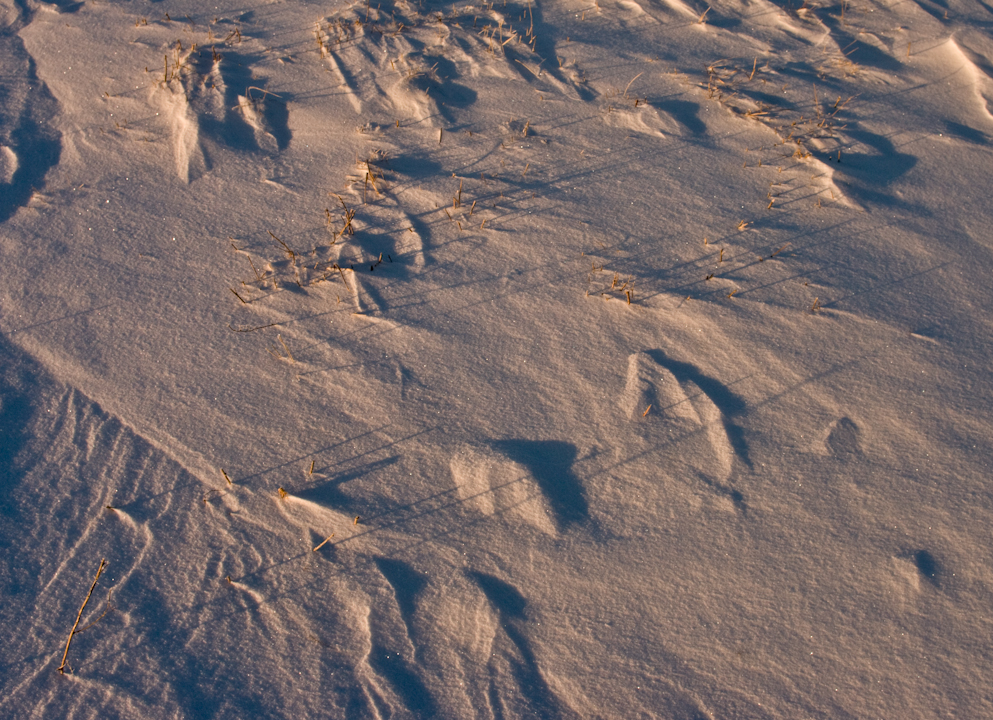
column 636, row 353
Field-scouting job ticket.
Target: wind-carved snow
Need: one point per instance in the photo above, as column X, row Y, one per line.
column 620, row 359
column 8, row 164
column 494, row 484
column 190, row 160
column 30, row 143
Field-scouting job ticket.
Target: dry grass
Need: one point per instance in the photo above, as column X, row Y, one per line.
column 79, row 615
column 803, row 126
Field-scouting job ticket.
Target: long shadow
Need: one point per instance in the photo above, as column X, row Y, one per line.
column 328, row 493
column 327, row 448
column 209, row 688
column 731, row 493
column 843, row 440
column 726, row 400
column 545, row 35
column 964, row 132
column 19, row 383
column 879, row 168
column 371, row 243
column 415, row 165
column 684, row 112
column 277, row 118
column 723, row 397
column 938, row 14
column 544, row 38
column 442, row 87
column 411, row 689
column 205, row 686
column 37, row 145
column 233, row 130
column 550, row 462
column 406, row 582
column 725, row 22
column 928, row 566
column 511, row 605
column 67, row 6
column 862, row 53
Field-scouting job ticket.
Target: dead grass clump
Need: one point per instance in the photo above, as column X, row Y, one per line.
column 619, row 288
column 800, row 119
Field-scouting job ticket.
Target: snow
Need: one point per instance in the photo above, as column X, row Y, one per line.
column 635, row 353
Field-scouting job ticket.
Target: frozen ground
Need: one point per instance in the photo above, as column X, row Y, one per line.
column 635, row 353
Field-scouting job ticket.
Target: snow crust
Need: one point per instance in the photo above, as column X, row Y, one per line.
column 635, row 353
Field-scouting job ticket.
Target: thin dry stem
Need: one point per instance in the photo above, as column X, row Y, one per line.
column 325, row 541
column 72, row 633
